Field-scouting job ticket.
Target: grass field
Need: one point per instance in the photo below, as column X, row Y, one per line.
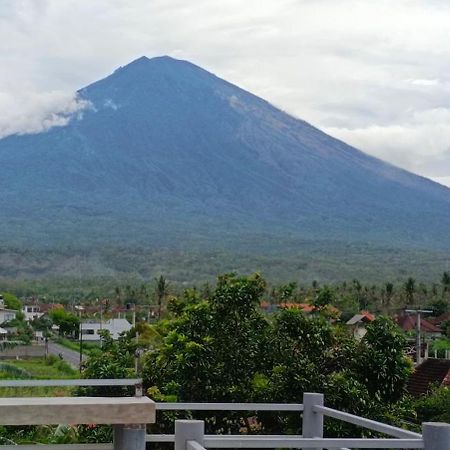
column 75, row 345
column 36, row 368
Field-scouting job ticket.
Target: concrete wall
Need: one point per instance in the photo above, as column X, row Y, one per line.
column 23, row 352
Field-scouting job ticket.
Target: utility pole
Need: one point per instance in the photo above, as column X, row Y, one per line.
column 418, row 329
column 80, row 308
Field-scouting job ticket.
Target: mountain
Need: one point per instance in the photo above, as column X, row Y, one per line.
column 169, row 155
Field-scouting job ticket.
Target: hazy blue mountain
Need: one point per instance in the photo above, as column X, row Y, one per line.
column 169, row 154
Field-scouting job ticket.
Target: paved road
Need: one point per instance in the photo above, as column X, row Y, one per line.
column 71, row 356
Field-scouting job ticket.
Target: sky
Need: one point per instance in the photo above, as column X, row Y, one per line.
column 375, row 74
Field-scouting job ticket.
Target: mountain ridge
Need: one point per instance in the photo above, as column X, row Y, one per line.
column 167, row 149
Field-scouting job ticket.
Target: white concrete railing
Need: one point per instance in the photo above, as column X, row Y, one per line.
column 189, row 434
column 128, row 415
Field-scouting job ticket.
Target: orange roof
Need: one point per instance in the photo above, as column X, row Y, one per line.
column 369, row 316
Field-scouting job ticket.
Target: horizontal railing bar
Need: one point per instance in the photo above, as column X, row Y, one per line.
column 160, row 406
column 171, row 437
column 194, row 445
column 59, row 447
column 282, row 442
column 159, row 438
column 367, row 423
column 81, row 382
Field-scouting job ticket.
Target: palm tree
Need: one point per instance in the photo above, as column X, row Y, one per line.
column 445, row 281
column 118, row 293
column 161, row 292
column 410, row 289
column 387, row 296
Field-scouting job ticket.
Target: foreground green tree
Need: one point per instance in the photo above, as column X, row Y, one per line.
column 223, row 349
column 435, row 407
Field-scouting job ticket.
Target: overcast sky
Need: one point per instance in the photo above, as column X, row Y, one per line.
column 373, row 73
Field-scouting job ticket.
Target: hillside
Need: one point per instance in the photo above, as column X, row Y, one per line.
column 170, row 156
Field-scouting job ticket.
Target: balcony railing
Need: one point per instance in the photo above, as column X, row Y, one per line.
column 129, row 416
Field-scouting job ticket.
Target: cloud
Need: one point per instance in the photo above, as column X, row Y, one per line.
column 442, row 180
column 369, row 72
column 31, row 112
column 420, row 144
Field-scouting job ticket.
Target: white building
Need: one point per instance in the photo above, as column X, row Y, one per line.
column 90, row 330
column 359, row 322
column 3, row 334
column 32, row 312
column 6, row 315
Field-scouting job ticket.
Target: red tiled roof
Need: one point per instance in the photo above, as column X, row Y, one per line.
column 46, row 307
column 408, row 323
column 431, row 371
column 442, row 318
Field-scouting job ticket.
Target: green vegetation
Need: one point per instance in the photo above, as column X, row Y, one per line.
column 8, row 371
column 440, row 346
column 51, row 367
column 434, row 407
column 102, row 269
column 11, row 301
column 37, row 368
column 221, row 347
column 88, row 347
column 216, row 343
column 67, row 322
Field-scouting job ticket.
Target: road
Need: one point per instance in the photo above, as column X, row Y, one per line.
column 71, row 356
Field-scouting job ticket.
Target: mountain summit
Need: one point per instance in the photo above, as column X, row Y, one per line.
column 169, row 154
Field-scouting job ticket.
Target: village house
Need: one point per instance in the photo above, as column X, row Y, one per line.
column 6, row 314
column 90, row 330
column 432, row 372
column 32, row 312
column 359, row 322
column 3, row 334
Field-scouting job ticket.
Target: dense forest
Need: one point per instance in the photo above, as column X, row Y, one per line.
column 280, row 260
column 349, row 296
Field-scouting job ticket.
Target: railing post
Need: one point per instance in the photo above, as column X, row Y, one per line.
column 312, row 426
column 138, row 389
column 129, row 437
column 436, row 436
column 188, row 430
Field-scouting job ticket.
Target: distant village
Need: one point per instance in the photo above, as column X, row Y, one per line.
column 44, row 322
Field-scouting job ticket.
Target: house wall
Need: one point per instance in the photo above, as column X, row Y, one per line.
column 6, row 315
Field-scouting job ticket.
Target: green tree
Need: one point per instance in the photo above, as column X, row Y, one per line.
column 325, row 296
column 286, row 292
column 434, row 407
column 161, row 292
column 12, row 302
column 224, row 349
column 445, row 280
column 387, row 296
column 410, row 288
column 68, row 323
